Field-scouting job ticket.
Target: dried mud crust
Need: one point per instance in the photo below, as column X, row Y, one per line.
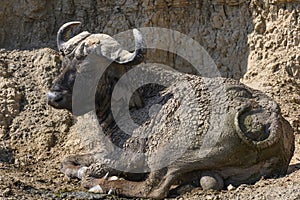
column 274, row 60
column 37, row 137
column 33, row 136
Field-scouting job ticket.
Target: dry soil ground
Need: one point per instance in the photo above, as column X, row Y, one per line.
column 35, row 137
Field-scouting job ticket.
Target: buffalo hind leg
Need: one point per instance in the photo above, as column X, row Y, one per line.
column 162, row 189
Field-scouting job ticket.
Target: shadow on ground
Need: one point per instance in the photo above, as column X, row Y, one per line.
column 6, row 155
column 294, row 167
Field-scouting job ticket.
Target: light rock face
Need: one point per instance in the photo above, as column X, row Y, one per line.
column 237, row 34
column 24, row 120
column 230, row 30
column 221, row 27
column 9, row 104
column 274, row 61
column 10, row 97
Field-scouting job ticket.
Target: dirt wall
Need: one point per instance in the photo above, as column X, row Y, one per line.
column 214, row 24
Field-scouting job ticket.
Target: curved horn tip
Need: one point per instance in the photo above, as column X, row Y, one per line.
column 63, row 30
column 140, row 46
column 71, row 23
column 137, row 34
column 66, row 25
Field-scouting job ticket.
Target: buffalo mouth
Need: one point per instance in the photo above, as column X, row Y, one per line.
column 58, row 100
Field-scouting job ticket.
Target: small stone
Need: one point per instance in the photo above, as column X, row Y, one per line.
column 96, row 189
column 113, row 178
column 209, row 197
column 81, row 172
column 230, row 187
column 217, row 21
column 211, row 181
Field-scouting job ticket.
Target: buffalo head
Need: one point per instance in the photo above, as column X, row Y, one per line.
column 77, row 48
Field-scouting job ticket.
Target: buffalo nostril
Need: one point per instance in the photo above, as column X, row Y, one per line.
column 54, row 97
